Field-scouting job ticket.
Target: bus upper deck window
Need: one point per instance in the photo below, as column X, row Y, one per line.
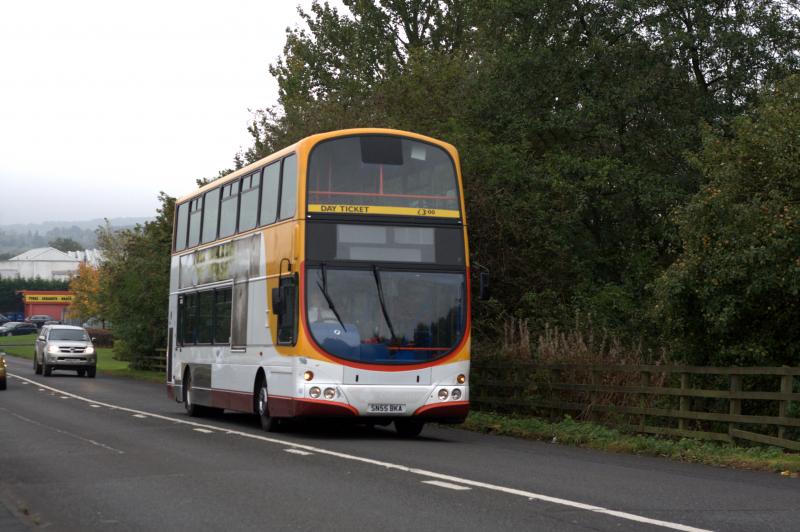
column 228, row 209
column 195, row 218
column 210, row 215
column 269, row 193
column 289, row 187
column 180, row 226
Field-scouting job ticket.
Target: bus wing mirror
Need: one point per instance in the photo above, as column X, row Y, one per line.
column 277, row 304
column 484, row 286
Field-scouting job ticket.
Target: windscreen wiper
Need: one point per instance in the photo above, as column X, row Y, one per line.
column 323, row 287
column 383, row 303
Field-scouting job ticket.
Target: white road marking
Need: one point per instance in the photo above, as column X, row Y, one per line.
column 298, row 451
column 95, row 406
column 140, row 416
column 448, row 485
column 64, row 397
column 398, row 467
column 61, row 431
column 204, row 431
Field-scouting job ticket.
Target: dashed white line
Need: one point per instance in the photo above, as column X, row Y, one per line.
column 398, row 467
column 140, row 416
column 298, row 451
column 204, row 431
column 95, row 406
column 65, row 432
column 448, row 485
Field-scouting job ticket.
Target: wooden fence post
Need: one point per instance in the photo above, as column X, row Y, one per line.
column 555, row 378
column 683, row 423
column 644, row 382
column 783, row 406
column 735, row 405
column 594, row 395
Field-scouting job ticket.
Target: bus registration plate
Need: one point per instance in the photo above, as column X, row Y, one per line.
column 386, row 408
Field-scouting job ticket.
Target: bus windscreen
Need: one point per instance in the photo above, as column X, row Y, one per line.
column 381, row 174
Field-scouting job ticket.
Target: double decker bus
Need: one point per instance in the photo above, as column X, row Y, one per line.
column 330, row 279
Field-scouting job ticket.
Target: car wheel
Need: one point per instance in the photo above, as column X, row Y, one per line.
column 3, row 383
column 36, row 368
column 46, row 370
column 408, row 428
column 268, row 423
column 81, row 372
column 91, row 372
column 9, row 334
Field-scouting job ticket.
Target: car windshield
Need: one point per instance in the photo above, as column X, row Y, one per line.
column 75, row 335
column 421, row 316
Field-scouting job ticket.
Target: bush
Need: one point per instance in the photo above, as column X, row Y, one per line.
column 102, row 337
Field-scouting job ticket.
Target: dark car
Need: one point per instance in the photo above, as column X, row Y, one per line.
column 16, row 328
column 39, row 320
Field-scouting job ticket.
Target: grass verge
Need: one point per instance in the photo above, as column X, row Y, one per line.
column 22, row 346
column 590, row 435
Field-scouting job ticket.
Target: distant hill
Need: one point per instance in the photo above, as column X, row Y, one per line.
column 16, row 238
column 44, row 227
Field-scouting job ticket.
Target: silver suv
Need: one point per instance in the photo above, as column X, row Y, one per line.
column 64, row 347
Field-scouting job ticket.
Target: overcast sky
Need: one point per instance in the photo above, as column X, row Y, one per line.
column 104, row 103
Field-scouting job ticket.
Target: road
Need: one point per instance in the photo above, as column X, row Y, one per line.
column 111, row 453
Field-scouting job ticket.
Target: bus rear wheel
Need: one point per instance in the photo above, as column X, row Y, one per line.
column 268, row 423
column 194, row 410
column 408, row 428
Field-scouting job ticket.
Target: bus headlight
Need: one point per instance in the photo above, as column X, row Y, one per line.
column 314, row 392
column 456, row 395
column 443, row 394
column 330, row 393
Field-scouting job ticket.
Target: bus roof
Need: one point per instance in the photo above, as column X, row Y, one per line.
column 310, row 141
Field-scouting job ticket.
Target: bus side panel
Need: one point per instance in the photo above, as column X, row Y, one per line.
column 172, row 323
column 236, row 369
column 258, row 333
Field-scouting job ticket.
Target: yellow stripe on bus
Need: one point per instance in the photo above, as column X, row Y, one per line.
column 375, row 209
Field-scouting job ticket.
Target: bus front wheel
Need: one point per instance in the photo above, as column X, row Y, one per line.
column 268, row 423
column 408, row 428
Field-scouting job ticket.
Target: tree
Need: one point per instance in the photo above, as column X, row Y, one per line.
column 66, row 244
column 731, row 297
column 86, row 285
column 134, row 283
column 574, row 121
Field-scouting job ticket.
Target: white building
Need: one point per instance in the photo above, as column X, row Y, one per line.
column 47, row 263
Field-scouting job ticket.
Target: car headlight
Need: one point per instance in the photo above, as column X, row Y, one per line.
column 89, row 350
column 52, row 349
